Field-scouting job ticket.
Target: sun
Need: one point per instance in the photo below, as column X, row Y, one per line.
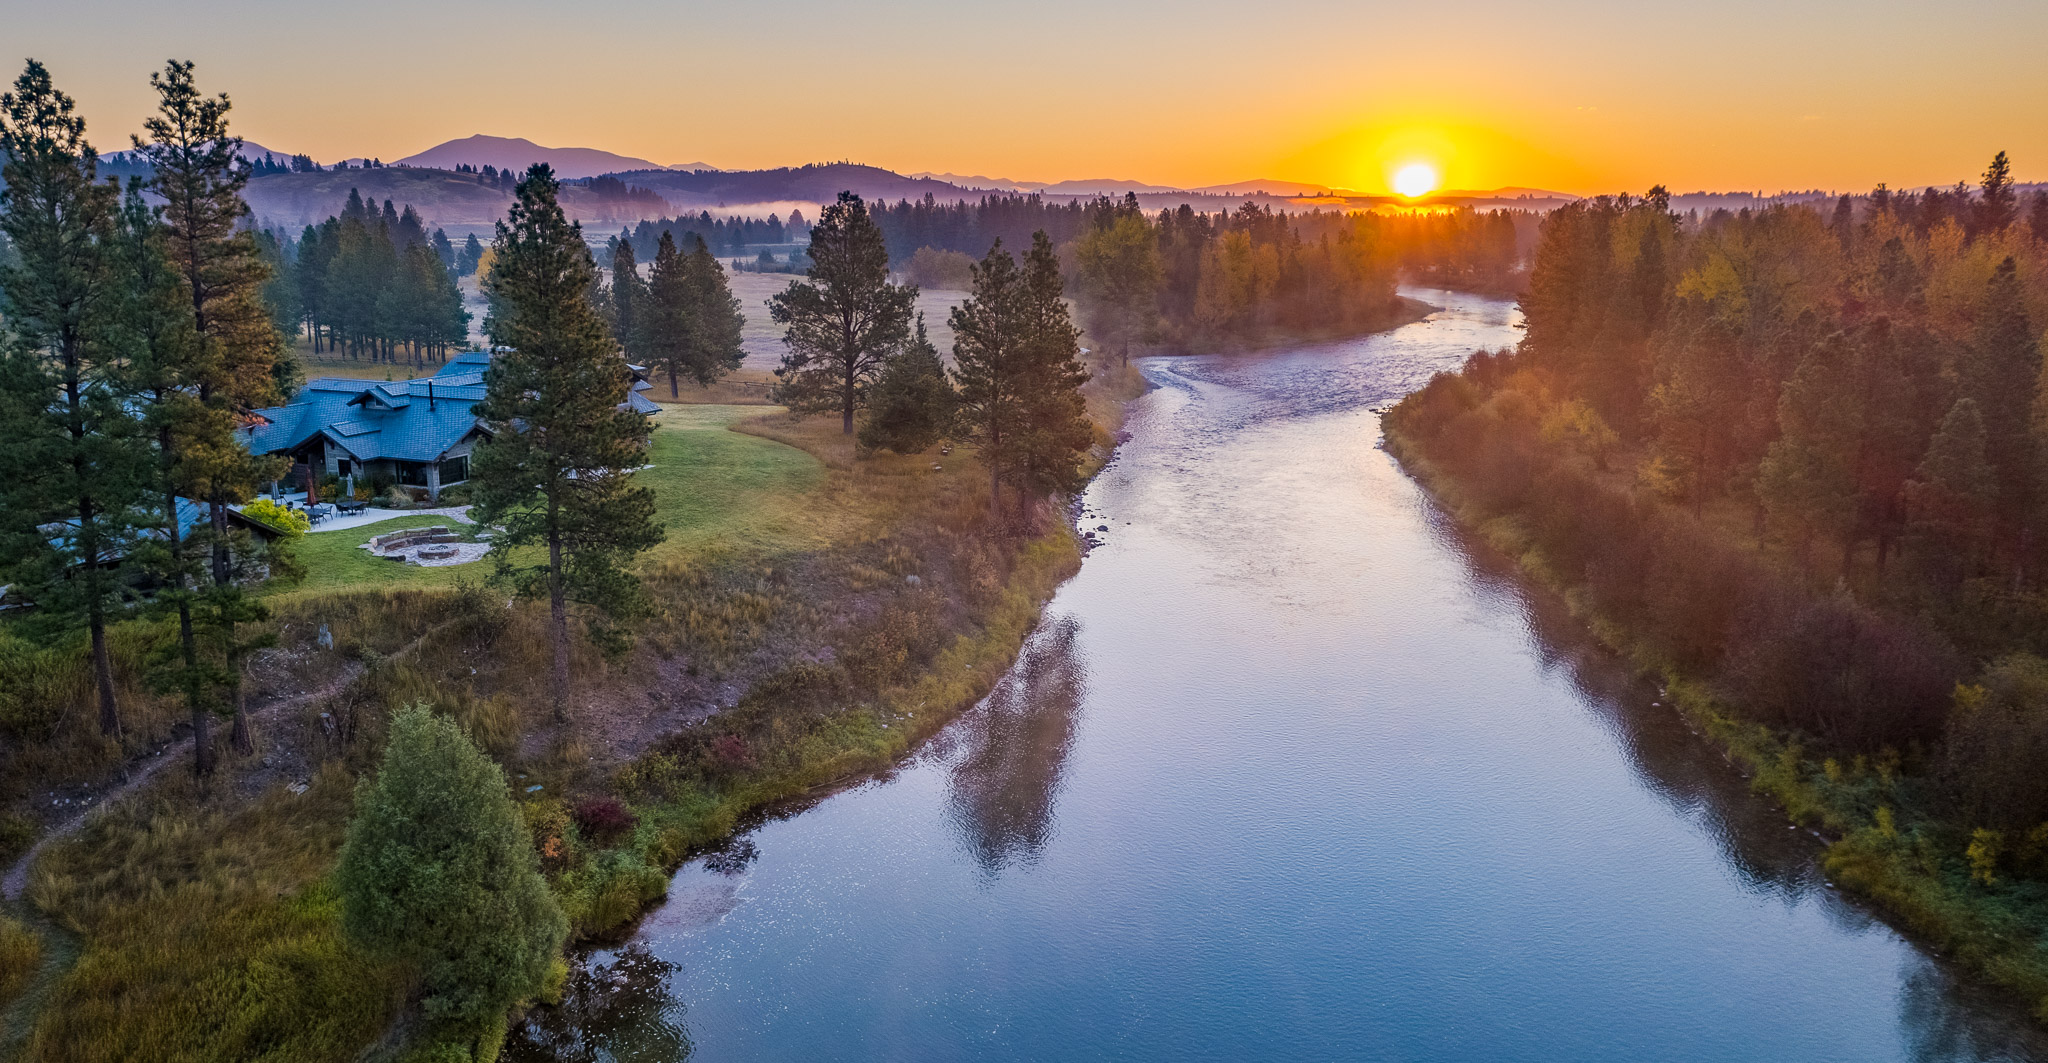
column 1415, row 180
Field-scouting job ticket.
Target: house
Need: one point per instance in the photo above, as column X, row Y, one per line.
column 414, row 433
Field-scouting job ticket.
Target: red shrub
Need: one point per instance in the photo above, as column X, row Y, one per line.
column 603, row 817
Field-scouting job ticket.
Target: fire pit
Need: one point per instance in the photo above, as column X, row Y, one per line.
column 436, row 552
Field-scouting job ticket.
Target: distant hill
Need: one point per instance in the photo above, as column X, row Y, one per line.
column 1087, row 186
column 1271, row 187
column 518, row 153
column 817, row 183
column 454, row 201
column 978, row 181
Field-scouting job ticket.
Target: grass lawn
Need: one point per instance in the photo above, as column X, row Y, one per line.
column 715, row 486
column 711, row 487
column 335, row 560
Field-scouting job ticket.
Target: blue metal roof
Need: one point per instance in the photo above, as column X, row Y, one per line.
column 397, row 420
column 372, row 421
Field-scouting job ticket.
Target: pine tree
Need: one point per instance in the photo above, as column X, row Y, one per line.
column 841, row 322
column 1997, row 203
column 1056, row 431
column 73, row 471
column 911, row 405
column 2000, row 371
column 1807, row 481
column 438, row 872
column 1952, row 494
column 558, row 468
column 472, row 252
column 165, row 374
column 664, row 320
column 628, row 296
column 990, row 331
column 200, row 175
column 716, row 324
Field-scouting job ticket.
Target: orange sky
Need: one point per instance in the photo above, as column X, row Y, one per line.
column 1590, row 96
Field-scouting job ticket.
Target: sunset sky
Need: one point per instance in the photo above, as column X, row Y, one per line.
column 1581, row 96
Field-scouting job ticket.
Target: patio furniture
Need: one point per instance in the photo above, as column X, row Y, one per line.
column 352, row 509
column 320, row 512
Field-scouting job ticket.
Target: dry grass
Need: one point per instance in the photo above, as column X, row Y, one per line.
column 20, row 952
column 742, row 387
column 209, row 933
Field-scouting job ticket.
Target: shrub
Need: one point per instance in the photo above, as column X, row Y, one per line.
column 930, row 267
column 1997, row 741
column 1834, row 670
column 438, row 872
column 292, row 522
column 397, row 498
column 603, row 818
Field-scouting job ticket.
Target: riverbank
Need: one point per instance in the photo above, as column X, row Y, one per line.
column 815, row 618
column 1403, row 310
column 1886, row 840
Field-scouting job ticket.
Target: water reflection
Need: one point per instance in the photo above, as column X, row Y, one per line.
column 617, row 1008
column 1009, row 754
column 1944, row 1017
column 1342, row 789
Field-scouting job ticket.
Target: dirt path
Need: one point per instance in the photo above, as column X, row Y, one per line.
column 144, row 768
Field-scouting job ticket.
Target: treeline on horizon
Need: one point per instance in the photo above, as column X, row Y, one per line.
column 1802, row 454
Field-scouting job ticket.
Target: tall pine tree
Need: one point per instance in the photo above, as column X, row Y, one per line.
column 666, row 317
column 716, row 321
column 1056, row 431
column 628, row 297
column 842, row 321
column 73, row 461
column 558, row 469
column 989, row 337
column 199, row 174
column 164, row 375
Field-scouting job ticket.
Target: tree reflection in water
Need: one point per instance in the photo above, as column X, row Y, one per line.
column 620, row 1011
column 1944, row 1018
column 1009, row 753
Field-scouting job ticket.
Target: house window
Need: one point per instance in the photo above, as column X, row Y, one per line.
column 412, row 473
column 454, row 470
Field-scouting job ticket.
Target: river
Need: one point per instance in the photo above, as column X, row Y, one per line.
column 1292, row 770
